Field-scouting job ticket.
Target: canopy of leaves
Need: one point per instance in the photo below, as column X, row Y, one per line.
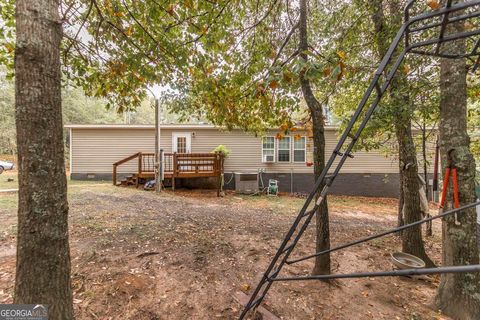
column 250, row 79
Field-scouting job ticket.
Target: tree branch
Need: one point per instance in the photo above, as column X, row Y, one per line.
column 80, row 28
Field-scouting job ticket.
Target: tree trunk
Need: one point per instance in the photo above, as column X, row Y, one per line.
column 424, row 155
column 412, row 237
column 402, row 113
column 322, row 263
column 428, row 225
column 400, row 221
column 458, row 294
column 43, row 255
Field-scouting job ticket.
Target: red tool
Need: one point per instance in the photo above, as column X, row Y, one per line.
column 451, row 169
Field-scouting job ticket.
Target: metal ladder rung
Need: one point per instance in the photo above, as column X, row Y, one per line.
column 274, row 274
column 287, row 248
column 341, row 154
column 352, row 136
column 307, row 213
column 256, row 302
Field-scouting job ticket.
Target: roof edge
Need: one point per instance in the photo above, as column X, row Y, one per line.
column 174, row 126
column 151, row 126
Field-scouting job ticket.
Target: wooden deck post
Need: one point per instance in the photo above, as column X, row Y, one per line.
column 217, row 167
column 114, row 175
column 174, row 174
column 139, row 168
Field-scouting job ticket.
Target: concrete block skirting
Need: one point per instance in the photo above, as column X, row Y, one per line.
column 352, row 184
column 349, row 184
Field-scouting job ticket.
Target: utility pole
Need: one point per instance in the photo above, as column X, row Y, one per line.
column 158, row 151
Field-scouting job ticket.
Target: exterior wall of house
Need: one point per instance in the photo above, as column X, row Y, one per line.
column 95, row 149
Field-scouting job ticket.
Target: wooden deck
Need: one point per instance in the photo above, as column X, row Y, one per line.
column 175, row 165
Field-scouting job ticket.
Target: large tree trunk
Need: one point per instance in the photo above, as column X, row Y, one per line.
column 412, row 237
column 402, row 113
column 322, row 263
column 458, row 294
column 43, row 255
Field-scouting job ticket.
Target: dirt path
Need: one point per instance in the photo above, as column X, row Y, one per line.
column 136, row 255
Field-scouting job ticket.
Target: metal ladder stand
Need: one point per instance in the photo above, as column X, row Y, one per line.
column 411, row 27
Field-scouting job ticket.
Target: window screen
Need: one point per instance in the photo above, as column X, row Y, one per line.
column 299, row 149
column 284, row 149
column 268, row 149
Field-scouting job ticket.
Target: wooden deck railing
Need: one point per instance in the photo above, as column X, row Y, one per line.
column 176, row 165
column 193, row 164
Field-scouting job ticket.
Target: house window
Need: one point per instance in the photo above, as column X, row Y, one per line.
column 284, row 149
column 299, row 149
column 181, row 144
column 268, row 149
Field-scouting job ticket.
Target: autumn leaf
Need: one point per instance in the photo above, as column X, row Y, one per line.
column 273, row 84
column 9, row 47
column 341, row 54
column 293, row 129
column 342, row 71
column 171, row 9
column 260, row 87
column 189, row 4
column 279, row 136
column 284, row 127
column 273, row 53
column 297, row 136
column 129, row 31
column 327, row 71
column 287, row 76
column 433, row 4
column 406, row 69
column 245, row 287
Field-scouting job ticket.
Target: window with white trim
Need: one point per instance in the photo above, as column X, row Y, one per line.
column 283, row 149
column 268, row 149
column 299, row 149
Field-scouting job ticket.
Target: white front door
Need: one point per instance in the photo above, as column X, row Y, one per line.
column 182, row 142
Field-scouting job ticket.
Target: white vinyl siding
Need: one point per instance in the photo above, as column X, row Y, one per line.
column 268, row 148
column 284, row 149
column 94, row 150
column 299, row 149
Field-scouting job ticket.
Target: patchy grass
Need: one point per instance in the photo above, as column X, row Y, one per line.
column 9, row 201
column 4, row 180
column 13, row 184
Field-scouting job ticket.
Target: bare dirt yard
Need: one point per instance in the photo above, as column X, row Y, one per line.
column 138, row 255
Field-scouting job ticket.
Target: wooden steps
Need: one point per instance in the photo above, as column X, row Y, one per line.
column 129, row 181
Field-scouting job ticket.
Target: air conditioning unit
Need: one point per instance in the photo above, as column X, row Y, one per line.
column 268, row 158
column 246, row 183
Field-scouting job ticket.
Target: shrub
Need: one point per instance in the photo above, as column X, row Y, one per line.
column 222, row 149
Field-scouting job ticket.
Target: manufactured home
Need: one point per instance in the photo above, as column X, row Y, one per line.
column 94, row 149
